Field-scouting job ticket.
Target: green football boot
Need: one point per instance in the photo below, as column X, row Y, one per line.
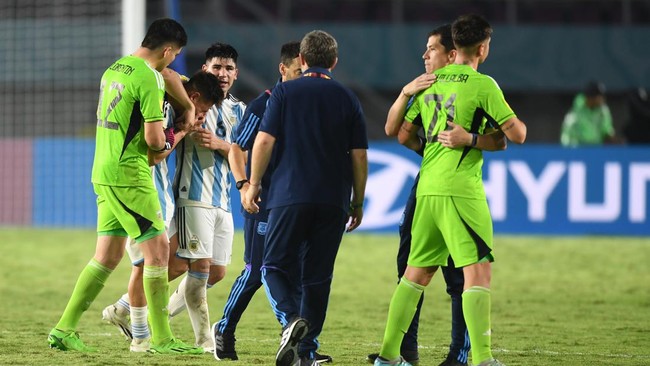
column 67, row 341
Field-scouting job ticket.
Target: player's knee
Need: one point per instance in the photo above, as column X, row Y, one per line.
column 217, row 273
column 108, row 260
column 176, row 269
column 156, row 260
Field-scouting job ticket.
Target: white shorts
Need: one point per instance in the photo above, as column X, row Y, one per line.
column 205, row 233
column 133, row 248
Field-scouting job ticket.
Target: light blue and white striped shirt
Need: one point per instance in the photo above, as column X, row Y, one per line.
column 203, row 175
column 161, row 175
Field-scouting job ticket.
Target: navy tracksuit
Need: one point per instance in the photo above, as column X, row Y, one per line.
column 315, row 122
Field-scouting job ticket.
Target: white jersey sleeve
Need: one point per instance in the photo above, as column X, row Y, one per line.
column 161, row 175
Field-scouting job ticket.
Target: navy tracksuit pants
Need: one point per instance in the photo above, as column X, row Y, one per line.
column 313, row 231
column 250, row 279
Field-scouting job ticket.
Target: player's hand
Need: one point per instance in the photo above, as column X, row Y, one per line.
column 251, row 198
column 179, row 123
column 455, row 136
column 205, row 138
column 189, row 119
column 418, row 84
column 183, row 124
column 355, row 217
column 242, row 193
column 200, row 119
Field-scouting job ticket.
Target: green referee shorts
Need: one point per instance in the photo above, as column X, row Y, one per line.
column 444, row 225
column 129, row 211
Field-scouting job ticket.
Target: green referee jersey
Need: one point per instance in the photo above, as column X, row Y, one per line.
column 470, row 99
column 131, row 93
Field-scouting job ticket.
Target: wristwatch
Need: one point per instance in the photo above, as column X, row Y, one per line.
column 240, row 184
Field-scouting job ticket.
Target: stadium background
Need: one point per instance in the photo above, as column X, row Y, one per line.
column 53, row 54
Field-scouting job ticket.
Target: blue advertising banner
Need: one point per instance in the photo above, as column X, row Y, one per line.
column 533, row 189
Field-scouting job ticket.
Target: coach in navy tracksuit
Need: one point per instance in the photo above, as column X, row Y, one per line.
column 317, row 129
column 250, row 279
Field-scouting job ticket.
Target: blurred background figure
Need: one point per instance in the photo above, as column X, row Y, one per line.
column 637, row 127
column 589, row 121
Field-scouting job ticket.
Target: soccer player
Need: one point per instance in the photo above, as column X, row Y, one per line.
column 129, row 124
column 202, row 188
column 439, row 52
column 451, row 215
column 316, row 129
column 203, row 91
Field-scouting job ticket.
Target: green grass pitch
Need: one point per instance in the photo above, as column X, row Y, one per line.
column 556, row 301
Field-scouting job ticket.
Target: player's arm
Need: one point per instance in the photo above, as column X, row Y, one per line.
column 457, row 136
column 514, row 129
column 237, row 161
column 359, row 178
column 156, row 157
column 154, row 135
column 244, row 135
column 408, row 136
column 397, row 111
column 260, row 158
column 492, row 141
column 496, row 106
column 174, row 87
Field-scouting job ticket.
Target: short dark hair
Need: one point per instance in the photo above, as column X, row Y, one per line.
column 444, row 31
column 319, row 49
column 163, row 31
column 221, row 50
column 289, row 51
column 470, row 30
column 594, row 88
column 207, row 85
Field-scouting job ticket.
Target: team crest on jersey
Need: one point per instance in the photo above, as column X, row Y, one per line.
column 194, row 244
column 159, row 215
column 261, row 228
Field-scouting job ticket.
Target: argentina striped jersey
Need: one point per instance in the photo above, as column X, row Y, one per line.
column 202, row 175
column 161, row 175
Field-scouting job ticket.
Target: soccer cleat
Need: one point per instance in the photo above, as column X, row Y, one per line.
column 304, row 361
column 207, row 345
column 452, row 361
column 175, row 346
column 292, row 334
column 224, row 345
column 111, row 315
column 67, row 341
column 380, row 361
column 411, row 358
column 140, row 345
column 322, row 358
column 492, row 362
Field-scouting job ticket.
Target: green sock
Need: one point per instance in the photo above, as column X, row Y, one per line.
column 400, row 314
column 90, row 282
column 476, row 307
column 156, row 288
